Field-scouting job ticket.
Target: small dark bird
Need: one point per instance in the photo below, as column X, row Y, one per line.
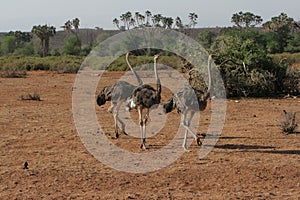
column 25, row 165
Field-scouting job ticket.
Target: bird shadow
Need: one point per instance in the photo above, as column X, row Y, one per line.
column 206, row 135
column 282, row 152
column 293, row 133
column 243, row 147
column 257, row 149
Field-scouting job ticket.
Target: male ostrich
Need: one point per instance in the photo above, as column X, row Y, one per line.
column 145, row 97
column 185, row 104
column 118, row 93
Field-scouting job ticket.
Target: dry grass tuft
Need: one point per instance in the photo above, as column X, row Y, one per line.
column 289, row 123
column 34, row 97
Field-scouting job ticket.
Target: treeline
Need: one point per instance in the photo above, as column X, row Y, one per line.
column 248, row 54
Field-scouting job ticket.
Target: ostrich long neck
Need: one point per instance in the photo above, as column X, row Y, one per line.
column 209, row 77
column 158, row 85
column 139, row 80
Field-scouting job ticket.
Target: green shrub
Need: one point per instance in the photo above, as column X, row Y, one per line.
column 63, row 64
column 72, row 46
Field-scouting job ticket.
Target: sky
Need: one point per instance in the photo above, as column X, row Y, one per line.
column 23, row 15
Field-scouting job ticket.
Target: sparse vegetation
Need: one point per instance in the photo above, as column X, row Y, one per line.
column 34, row 97
column 13, row 73
column 289, row 122
column 62, row 64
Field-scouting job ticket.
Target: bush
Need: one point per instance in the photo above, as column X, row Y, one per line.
column 15, row 73
column 34, row 97
column 8, row 45
column 63, row 64
column 254, row 83
column 291, row 83
column 72, row 46
column 26, row 50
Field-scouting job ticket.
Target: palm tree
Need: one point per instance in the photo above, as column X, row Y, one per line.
column 167, row 22
column 156, row 20
column 178, row 23
column 141, row 19
column 193, row 19
column 137, row 18
column 148, row 17
column 68, row 26
column 76, row 23
column 72, row 24
column 131, row 22
column 44, row 33
column 126, row 18
column 116, row 22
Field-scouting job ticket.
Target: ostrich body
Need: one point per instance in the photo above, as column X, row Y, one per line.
column 118, row 93
column 145, row 97
column 187, row 105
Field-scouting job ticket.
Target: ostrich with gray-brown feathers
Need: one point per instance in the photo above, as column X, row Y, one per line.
column 187, row 101
column 118, row 93
column 145, row 97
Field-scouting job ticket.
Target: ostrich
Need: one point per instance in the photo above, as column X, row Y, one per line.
column 117, row 93
column 185, row 104
column 145, row 97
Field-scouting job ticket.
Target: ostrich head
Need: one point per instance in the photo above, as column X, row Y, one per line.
column 105, row 95
column 127, row 55
column 101, row 99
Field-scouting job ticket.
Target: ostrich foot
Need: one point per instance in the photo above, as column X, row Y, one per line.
column 117, row 134
column 185, row 149
column 199, row 143
column 123, row 131
column 143, row 146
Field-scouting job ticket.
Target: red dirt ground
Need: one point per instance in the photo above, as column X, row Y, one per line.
column 252, row 159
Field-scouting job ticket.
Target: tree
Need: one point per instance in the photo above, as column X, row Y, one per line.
column 293, row 45
column 72, row 45
column 193, row 20
column 178, row 23
column 21, row 37
column 167, row 22
column 70, row 25
column 127, row 19
column 76, row 24
column 245, row 66
column 44, row 33
column 26, row 50
column 8, row 44
column 206, row 38
column 116, row 22
column 279, row 22
column 279, row 31
column 246, row 20
column 156, row 19
column 148, row 17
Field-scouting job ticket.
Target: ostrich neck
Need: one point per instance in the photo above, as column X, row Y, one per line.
column 209, row 77
column 139, row 80
column 158, row 85
column 156, row 74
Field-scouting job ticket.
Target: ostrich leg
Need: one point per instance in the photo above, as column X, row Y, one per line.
column 142, row 129
column 186, row 125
